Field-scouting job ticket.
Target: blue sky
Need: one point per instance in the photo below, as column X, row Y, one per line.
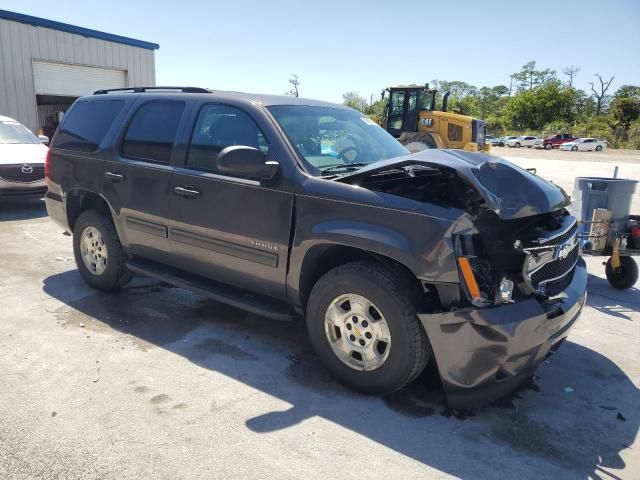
column 337, row 46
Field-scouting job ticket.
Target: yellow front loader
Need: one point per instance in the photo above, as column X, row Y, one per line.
column 412, row 118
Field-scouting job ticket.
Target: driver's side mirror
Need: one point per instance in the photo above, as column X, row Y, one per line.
column 43, row 139
column 245, row 161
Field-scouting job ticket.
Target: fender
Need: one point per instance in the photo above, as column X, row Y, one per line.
column 420, row 242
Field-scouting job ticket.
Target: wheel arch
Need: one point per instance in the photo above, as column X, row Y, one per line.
column 79, row 200
column 321, row 258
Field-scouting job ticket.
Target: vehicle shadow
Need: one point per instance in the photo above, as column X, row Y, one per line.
column 21, row 210
column 611, row 301
column 546, row 430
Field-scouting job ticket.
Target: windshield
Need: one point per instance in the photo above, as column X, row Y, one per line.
column 14, row 132
column 334, row 140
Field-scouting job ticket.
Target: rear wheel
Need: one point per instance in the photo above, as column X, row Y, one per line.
column 599, row 148
column 98, row 252
column 517, row 145
column 363, row 326
column 623, row 277
column 548, row 146
column 574, row 149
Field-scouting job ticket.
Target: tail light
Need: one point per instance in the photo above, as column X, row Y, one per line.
column 47, row 168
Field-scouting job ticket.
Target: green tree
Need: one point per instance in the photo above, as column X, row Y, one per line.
column 533, row 109
column 355, row 100
column 625, row 107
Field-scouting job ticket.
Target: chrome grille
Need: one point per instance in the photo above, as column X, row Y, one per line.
column 548, row 265
column 16, row 173
column 556, row 269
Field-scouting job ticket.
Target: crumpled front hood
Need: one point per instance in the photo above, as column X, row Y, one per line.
column 510, row 191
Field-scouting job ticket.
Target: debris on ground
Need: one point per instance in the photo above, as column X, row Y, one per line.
column 293, row 358
column 621, row 417
column 568, row 390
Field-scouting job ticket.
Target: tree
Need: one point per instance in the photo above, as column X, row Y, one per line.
column 295, row 84
column 600, row 94
column 355, row 100
column 571, row 71
column 533, row 109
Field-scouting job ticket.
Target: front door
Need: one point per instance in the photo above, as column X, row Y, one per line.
column 229, row 229
column 136, row 180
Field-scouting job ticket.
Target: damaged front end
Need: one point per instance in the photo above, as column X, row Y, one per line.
column 522, row 282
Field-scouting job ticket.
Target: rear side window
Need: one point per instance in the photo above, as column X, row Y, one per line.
column 152, row 131
column 86, row 124
column 454, row 132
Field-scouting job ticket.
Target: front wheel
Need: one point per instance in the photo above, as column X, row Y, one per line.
column 574, row 149
column 548, row 146
column 363, row 326
column 517, row 145
column 623, row 277
column 98, row 252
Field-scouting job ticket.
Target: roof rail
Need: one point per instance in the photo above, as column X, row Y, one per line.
column 145, row 89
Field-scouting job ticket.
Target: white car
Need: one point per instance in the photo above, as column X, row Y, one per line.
column 22, row 159
column 584, row 144
column 522, row 141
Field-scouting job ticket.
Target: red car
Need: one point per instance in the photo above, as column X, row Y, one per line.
column 557, row 140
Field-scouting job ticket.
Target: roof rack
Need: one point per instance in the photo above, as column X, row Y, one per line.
column 145, row 89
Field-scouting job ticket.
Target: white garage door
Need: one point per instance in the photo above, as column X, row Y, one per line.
column 74, row 80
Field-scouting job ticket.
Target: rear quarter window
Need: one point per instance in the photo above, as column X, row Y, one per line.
column 85, row 125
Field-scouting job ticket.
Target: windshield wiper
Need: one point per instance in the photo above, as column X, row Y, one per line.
column 343, row 166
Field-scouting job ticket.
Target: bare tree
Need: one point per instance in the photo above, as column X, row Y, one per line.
column 295, row 84
column 571, row 71
column 600, row 96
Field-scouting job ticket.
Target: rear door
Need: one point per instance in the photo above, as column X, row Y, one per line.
column 229, row 229
column 137, row 176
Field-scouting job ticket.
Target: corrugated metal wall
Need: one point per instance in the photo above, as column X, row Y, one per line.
column 20, row 44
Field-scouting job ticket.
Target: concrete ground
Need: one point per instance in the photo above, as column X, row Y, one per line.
column 155, row 382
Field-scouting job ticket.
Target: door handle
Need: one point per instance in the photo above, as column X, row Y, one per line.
column 189, row 192
column 115, row 176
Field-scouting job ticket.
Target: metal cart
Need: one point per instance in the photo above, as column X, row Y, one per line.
column 606, row 227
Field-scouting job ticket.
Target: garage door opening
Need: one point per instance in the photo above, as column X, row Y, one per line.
column 58, row 85
column 51, row 109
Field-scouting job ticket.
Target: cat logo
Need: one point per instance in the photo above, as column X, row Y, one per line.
column 427, row 122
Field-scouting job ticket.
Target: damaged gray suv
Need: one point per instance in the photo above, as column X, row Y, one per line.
column 295, row 208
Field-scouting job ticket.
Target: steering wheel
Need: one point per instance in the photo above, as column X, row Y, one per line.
column 341, row 154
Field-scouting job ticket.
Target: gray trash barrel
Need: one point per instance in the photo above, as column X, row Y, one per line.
column 614, row 194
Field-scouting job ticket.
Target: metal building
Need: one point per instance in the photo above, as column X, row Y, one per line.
column 46, row 65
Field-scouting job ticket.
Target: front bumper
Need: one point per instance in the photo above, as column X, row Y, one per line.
column 481, row 354
column 19, row 190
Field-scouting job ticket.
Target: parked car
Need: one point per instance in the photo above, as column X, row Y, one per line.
column 522, row 141
column 22, row 159
column 492, row 140
column 503, row 141
column 293, row 208
column 584, row 144
column 556, row 140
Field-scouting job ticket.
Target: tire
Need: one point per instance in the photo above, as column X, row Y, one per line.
column 574, row 149
column 407, row 351
column 517, row 145
column 114, row 273
column 599, row 148
column 623, row 277
column 548, row 146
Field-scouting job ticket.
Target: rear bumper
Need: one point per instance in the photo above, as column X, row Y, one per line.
column 56, row 210
column 18, row 190
column 482, row 354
